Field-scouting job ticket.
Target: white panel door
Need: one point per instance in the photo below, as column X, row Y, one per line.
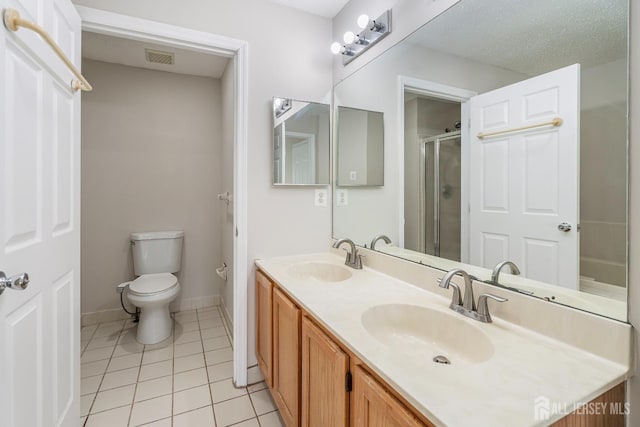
column 524, row 184
column 40, row 219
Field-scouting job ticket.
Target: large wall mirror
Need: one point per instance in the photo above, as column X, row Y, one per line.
column 506, row 140
column 301, row 142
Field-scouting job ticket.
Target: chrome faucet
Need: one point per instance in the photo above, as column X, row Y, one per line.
column 514, row 270
column 379, row 237
column 354, row 259
column 465, row 305
column 468, row 302
column 496, row 270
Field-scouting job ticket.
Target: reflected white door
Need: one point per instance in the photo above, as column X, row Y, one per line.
column 39, row 219
column 303, row 159
column 524, row 184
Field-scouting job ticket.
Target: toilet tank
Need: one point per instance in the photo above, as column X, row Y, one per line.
column 157, row 252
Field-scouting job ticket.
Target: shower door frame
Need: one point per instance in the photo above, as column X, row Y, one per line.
column 448, row 93
column 436, row 141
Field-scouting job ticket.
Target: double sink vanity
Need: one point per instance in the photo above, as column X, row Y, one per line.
column 381, row 345
column 461, row 149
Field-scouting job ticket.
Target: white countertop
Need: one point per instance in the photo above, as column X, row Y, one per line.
column 500, row 391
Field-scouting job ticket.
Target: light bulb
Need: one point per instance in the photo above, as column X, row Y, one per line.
column 363, row 21
column 349, row 37
column 336, row 48
column 277, row 102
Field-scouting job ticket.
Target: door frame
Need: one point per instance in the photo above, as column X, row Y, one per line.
column 128, row 27
column 448, row 93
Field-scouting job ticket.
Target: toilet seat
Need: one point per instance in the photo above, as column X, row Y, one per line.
column 153, row 284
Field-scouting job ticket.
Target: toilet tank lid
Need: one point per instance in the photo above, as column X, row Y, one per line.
column 151, row 235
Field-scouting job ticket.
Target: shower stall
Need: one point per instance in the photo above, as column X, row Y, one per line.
column 440, row 187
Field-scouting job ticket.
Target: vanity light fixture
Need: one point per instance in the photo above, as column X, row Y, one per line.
column 372, row 31
column 281, row 106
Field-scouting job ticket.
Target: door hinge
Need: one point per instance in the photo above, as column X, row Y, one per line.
column 348, row 382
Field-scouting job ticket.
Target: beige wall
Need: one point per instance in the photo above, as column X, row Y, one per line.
column 603, row 180
column 151, row 146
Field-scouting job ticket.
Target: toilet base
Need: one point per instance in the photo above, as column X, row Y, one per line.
column 155, row 325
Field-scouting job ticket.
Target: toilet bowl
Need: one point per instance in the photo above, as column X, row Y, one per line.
column 152, row 293
column 156, row 256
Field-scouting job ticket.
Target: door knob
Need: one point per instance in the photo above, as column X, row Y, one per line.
column 565, row 226
column 18, row 282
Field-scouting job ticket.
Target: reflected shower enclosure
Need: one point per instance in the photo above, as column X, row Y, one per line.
column 440, row 212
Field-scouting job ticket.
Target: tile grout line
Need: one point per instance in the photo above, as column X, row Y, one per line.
column 135, row 390
column 145, row 350
column 95, row 397
column 215, row 422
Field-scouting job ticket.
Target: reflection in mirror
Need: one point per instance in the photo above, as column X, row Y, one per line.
column 360, row 148
column 301, row 142
column 513, row 148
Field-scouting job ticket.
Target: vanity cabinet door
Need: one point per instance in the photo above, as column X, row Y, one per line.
column 374, row 406
column 286, row 357
column 325, row 400
column 264, row 346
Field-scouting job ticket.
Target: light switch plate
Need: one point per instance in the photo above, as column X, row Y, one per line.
column 342, row 197
column 321, row 197
column 353, row 175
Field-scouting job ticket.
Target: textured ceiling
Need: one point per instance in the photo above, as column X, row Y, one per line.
column 531, row 36
column 326, row 8
column 130, row 52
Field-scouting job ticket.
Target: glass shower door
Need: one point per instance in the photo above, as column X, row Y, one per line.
column 440, row 179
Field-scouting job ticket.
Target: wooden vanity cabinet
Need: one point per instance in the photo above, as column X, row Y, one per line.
column 316, row 383
column 264, row 344
column 373, row 405
column 325, row 398
column 286, row 358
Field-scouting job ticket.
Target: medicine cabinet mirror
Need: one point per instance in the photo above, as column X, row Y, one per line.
column 301, row 142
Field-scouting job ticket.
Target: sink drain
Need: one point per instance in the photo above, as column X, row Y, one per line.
column 442, row 359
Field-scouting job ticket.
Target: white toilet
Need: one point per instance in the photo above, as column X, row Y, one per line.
column 156, row 255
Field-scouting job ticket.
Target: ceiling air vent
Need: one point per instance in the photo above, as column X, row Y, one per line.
column 159, row 57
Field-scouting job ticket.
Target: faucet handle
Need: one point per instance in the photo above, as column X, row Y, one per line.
column 483, row 307
column 358, row 260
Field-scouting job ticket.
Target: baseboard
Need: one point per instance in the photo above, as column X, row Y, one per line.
column 227, row 317
column 103, row 316
column 254, row 375
column 185, row 304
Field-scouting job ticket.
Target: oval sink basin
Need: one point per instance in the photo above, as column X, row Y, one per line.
column 322, row 271
column 426, row 333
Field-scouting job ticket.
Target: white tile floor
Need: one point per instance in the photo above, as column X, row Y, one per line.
column 183, row 381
